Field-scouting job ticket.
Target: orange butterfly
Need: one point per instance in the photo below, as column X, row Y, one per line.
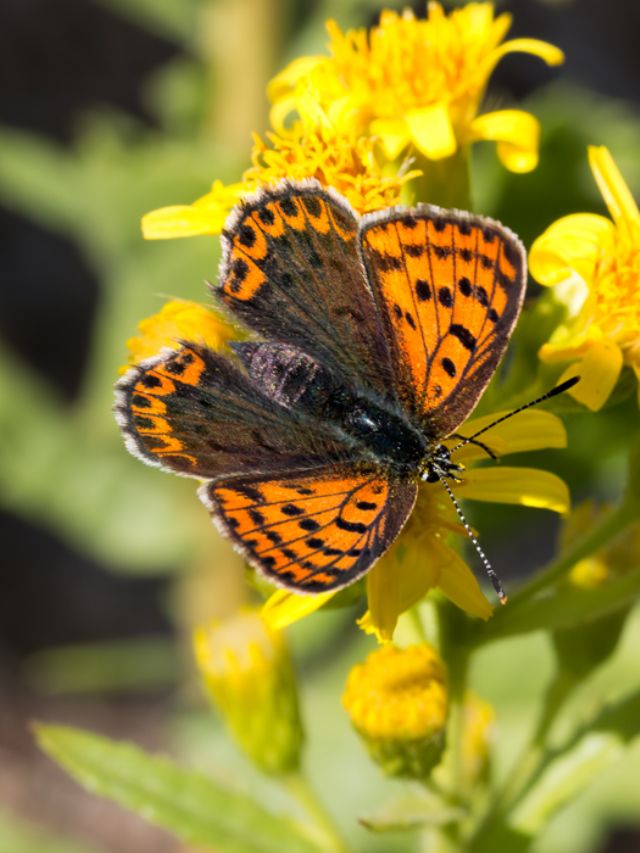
column 377, row 336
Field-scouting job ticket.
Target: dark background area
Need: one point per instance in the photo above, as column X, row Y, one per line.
column 57, row 60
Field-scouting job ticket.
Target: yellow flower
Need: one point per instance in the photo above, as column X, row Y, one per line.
column 248, row 674
column 338, row 159
column 593, row 263
column 178, row 320
column 419, row 83
column 423, row 559
column 398, row 701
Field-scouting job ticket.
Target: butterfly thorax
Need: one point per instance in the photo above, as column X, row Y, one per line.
column 371, row 425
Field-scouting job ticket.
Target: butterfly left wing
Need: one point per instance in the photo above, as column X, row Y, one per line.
column 449, row 287
column 194, row 412
column 311, row 533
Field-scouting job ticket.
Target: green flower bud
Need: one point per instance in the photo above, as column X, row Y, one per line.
column 248, row 674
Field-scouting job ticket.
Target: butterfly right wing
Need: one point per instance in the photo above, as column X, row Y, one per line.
column 311, row 533
column 193, row 412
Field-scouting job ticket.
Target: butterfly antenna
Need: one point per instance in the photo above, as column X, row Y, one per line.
column 559, row 389
column 493, row 577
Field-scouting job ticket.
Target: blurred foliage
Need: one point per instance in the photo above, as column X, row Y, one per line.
column 63, row 465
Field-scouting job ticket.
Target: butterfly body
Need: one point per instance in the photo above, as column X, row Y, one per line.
column 376, row 338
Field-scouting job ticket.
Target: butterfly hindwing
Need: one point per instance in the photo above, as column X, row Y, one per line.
column 290, row 271
column 449, row 287
column 311, row 533
column 193, row 411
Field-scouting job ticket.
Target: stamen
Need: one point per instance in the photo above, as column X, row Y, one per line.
column 493, row 577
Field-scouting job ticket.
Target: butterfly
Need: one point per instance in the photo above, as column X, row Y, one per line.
column 374, row 338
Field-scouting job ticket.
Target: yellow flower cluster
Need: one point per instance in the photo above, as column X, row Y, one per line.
column 355, row 119
column 593, row 264
column 411, row 82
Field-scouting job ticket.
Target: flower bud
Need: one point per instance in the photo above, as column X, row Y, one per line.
column 248, row 674
column 397, row 701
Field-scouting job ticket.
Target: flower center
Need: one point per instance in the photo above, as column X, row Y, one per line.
column 616, row 306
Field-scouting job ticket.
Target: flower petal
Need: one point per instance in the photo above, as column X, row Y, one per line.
column 206, row 215
column 393, row 134
column 571, row 245
column 460, row 586
column 517, row 134
column 549, row 53
column 431, row 131
column 613, row 187
column 525, row 486
column 534, row 429
column 394, row 584
column 286, row 80
column 599, row 370
column 285, row 607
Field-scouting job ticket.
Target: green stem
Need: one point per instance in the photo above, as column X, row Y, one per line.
column 606, row 530
column 444, row 182
column 325, row 832
column 528, row 765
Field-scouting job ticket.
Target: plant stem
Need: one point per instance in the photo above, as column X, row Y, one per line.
column 444, row 182
column 528, row 765
column 606, row 530
column 325, row 832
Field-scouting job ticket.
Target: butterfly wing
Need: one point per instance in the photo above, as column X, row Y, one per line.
column 311, row 533
column 290, row 271
column 193, row 412
column 449, row 287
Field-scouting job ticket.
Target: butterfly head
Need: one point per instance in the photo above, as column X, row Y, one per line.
column 438, row 465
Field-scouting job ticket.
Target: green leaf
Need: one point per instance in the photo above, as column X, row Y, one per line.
column 410, row 811
column 192, row 806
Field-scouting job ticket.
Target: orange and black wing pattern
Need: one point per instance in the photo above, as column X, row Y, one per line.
column 311, row 533
column 449, row 287
column 290, row 271
column 193, row 412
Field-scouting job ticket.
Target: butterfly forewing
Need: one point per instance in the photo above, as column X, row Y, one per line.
column 291, row 271
column 312, row 533
column 449, row 287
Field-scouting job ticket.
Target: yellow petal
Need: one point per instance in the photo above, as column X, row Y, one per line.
column 284, row 607
column 393, row 135
column 525, row 486
column 394, row 585
column 182, row 220
column 571, row 245
column 599, row 370
column 612, row 185
column 549, row 53
column 534, row 429
column 431, row 130
column 517, row 134
column 460, row 586
column 286, row 80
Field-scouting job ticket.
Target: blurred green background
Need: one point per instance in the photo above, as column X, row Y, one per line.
column 110, row 108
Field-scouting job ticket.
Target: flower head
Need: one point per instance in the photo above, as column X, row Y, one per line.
column 398, row 701
column 423, row 558
column 593, row 264
column 410, row 82
column 478, row 722
column 247, row 671
column 178, row 320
